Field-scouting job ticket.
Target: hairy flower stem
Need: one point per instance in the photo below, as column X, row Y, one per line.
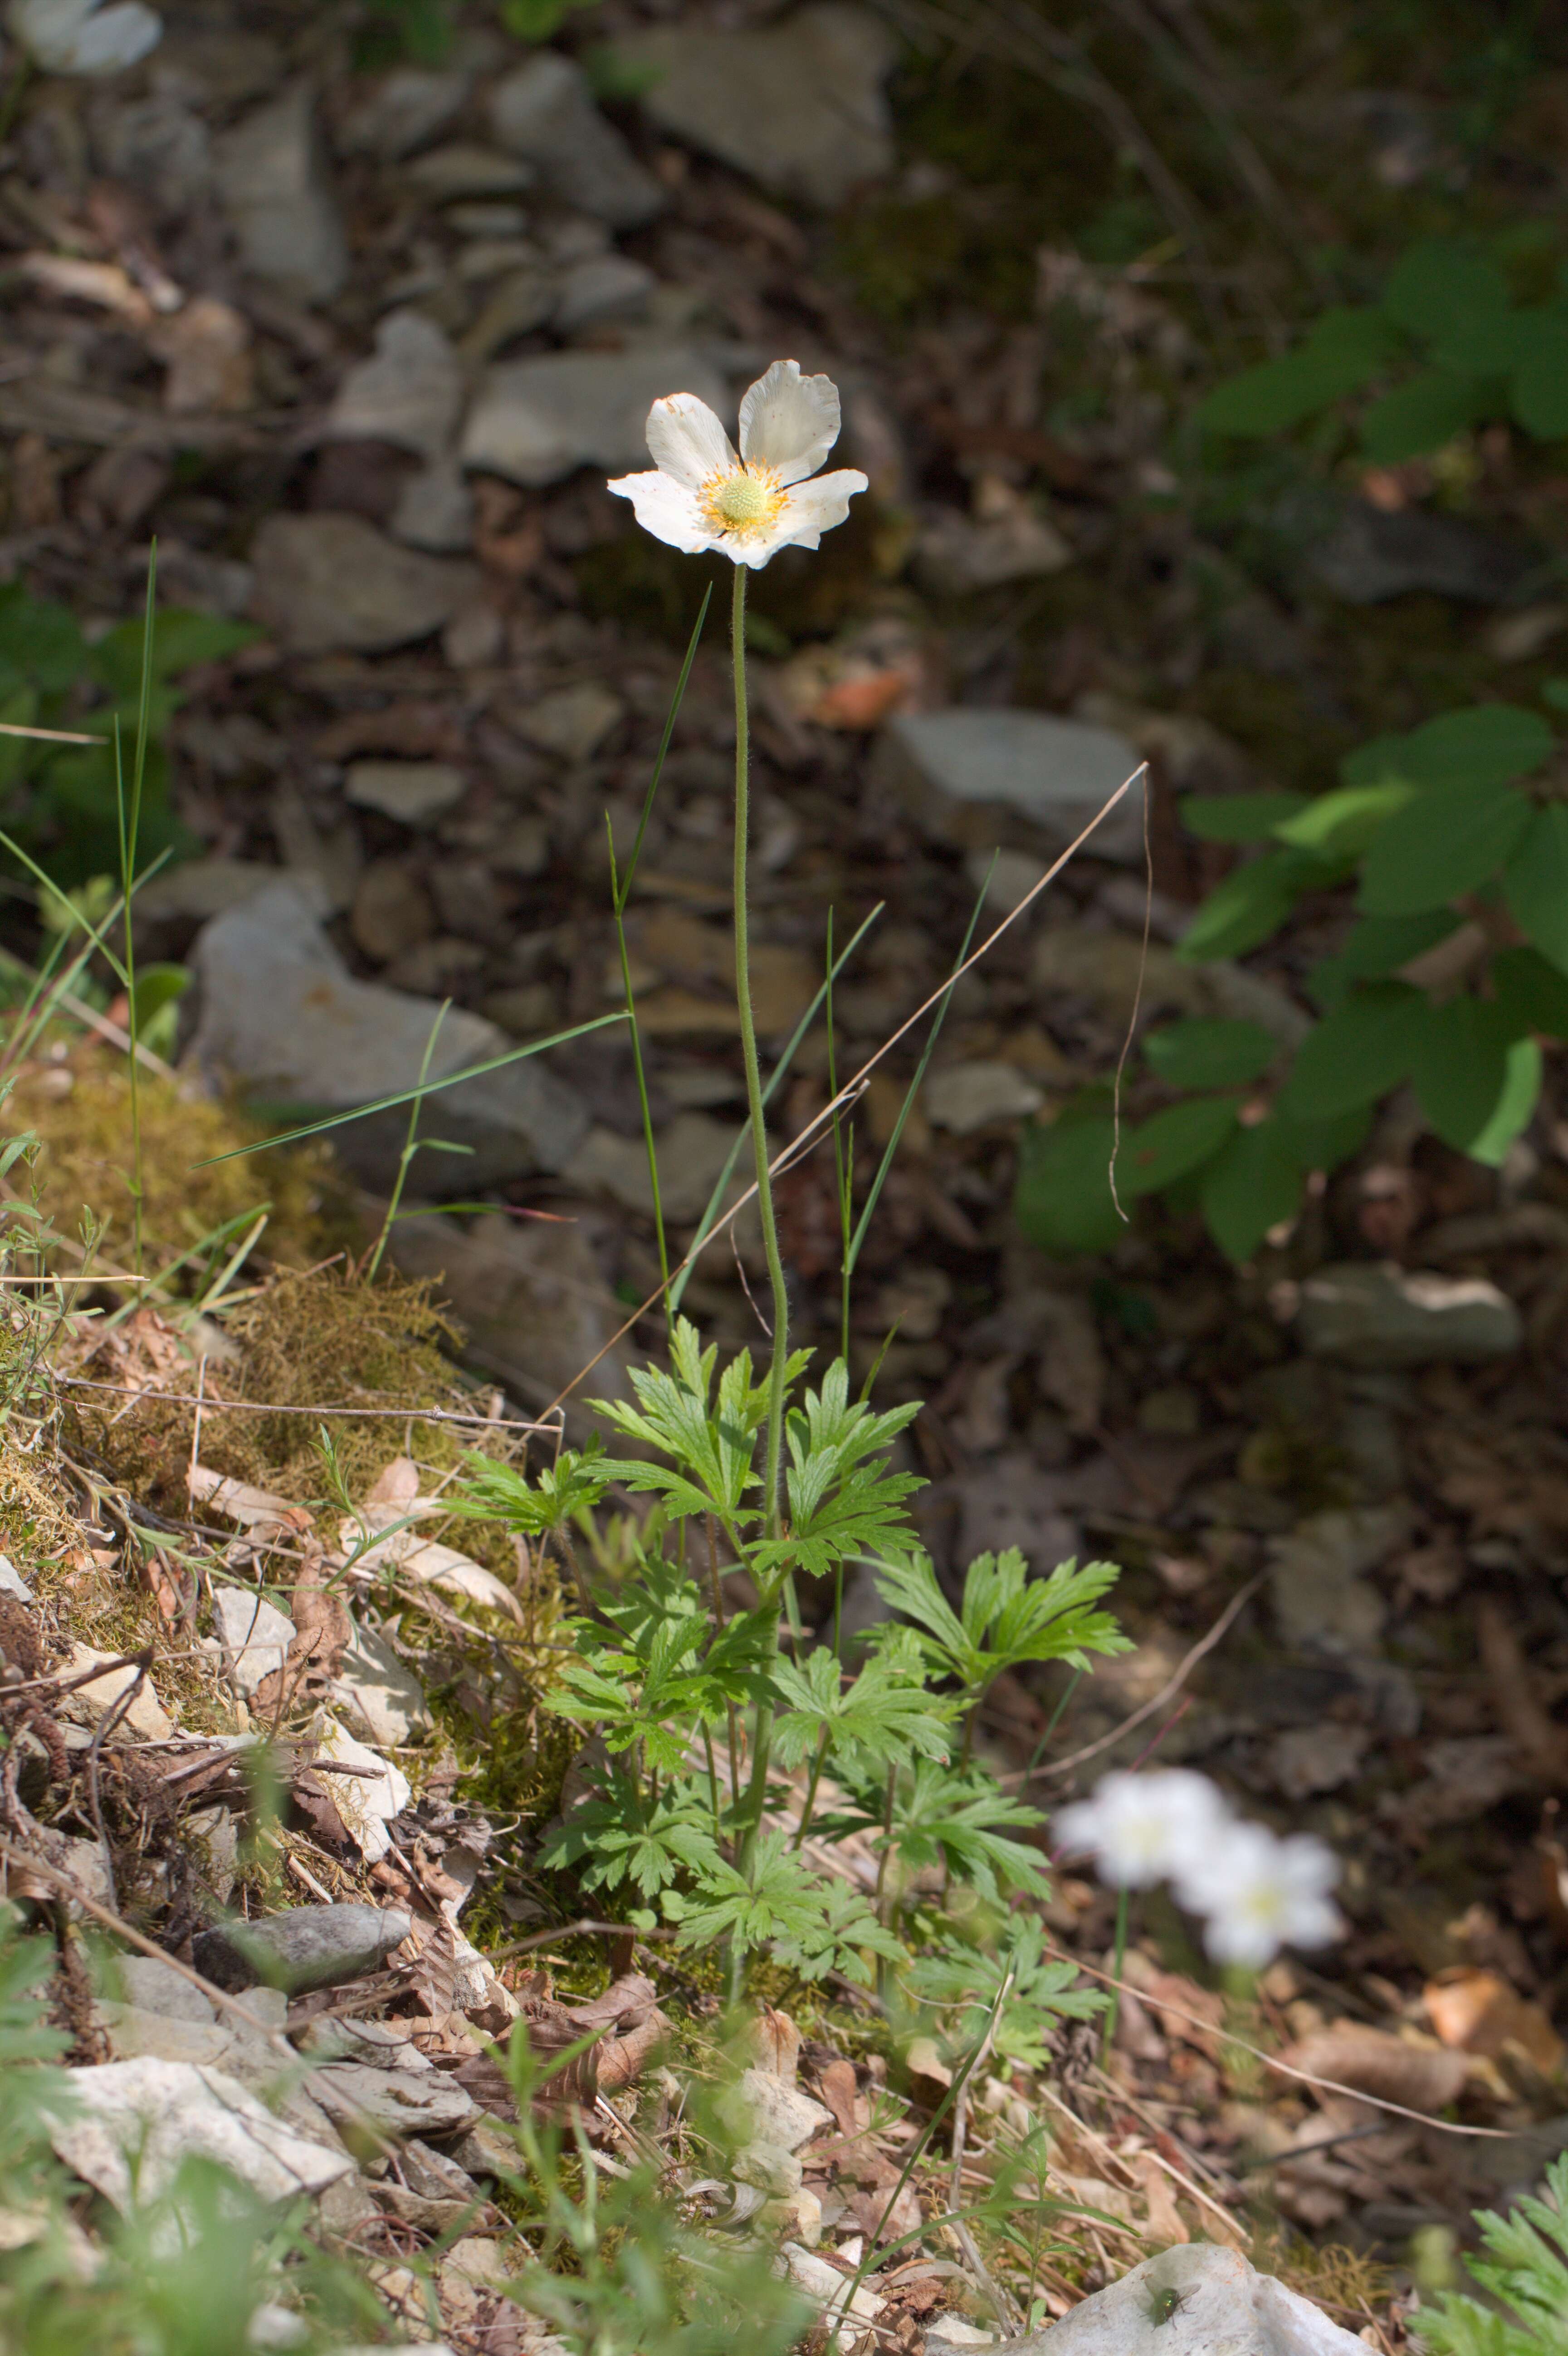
column 761, row 1730
column 753, row 1071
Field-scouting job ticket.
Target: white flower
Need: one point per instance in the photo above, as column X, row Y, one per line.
column 80, row 36
column 1260, row 1894
column 1140, row 1828
column 702, row 495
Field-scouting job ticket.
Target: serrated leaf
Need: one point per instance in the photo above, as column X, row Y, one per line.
column 1170, row 1143
column 1377, row 946
column 1357, row 1054
column 1450, row 840
column 1254, row 1183
column 1252, row 902
column 1481, row 744
column 1339, row 825
column 1535, row 882
column 1343, row 352
column 1532, row 993
column 1423, row 414
column 1476, row 1081
column 1438, row 280
column 1238, row 818
column 1540, row 388
column 1204, row 1054
column 1062, row 1200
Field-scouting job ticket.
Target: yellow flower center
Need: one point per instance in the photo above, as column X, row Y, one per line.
column 742, row 503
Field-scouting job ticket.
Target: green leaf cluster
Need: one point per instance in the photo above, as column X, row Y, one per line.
column 1445, row 348
column 59, row 801
column 1524, row 2274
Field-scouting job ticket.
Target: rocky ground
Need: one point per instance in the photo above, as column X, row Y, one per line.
column 358, row 349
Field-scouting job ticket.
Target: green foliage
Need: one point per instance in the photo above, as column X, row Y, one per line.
column 884, row 1713
column 1445, row 348
column 812, row 1926
column 1525, row 2272
column 1451, row 824
column 1006, row 1618
column 561, row 1492
column 538, row 20
column 954, row 1819
column 1034, row 1993
column 59, row 802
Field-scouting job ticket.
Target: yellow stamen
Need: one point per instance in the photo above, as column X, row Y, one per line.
column 743, row 503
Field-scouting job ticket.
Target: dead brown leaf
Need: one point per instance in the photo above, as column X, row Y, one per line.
column 1478, row 2012
column 1373, row 2062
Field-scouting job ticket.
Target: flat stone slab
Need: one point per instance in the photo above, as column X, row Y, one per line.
column 1194, row 2300
column 537, row 419
column 276, row 187
column 798, row 105
column 282, row 1016
column 545, row 113
column 968, row 772
column 1373, row 1313
column 254, row 1634
column 137, row 2121
column 302, row 1948
column 332, row 584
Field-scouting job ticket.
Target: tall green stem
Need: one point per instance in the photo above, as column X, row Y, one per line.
column 762, row 1728
column 753, row 1070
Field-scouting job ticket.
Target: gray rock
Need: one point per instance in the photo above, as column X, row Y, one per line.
column 199, row 888
column 1317, row 1576
column 1366, row 555
column 968, row 771
column 326, row 583
column 12, row 1581
column 1377, row 1314
column 955, row 554
column 970, row 1096
column 435, row 2176
column 307, row 1947
column 534, row 421
column 448, row 174
column 405, row 111
column 395, row 2101
column 254, row 1634
column 136, row 2123
column 413, row 792
column 1221, row 2308
column 436, row 511
column 606, row 286
column 410, row 393
column 692, row 1152
column 281, row 1015
column 798, row 105
column 154, row 1986
column 545, row 112
column 531, row 1299
column 487, row 2149
column 376, row 1686
column 275, row 186
column 158, row 145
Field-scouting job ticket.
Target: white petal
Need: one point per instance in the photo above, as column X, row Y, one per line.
column 666, row 509
column 814, row 507
column 120, row 36
column 789, row 421
column 688, row 441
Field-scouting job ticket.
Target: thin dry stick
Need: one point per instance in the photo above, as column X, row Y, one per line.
column 817, row 1127
column 1183, row 1670
column 270, row 1407
column 1133, row 1017
column 102, row 1732
column 1273, row 2062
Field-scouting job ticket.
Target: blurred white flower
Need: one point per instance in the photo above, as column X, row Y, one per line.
column 80, row 36
column 1259, row 1893
column 1142, row 1829
column 702, row 495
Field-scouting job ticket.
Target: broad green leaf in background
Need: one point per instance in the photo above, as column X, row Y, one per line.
column 1535, row 882
column 1531, row 991
column 1366, row 1046
column 1254, row 1182
column 1437, row 281
column 181, row 640
column 1343, row 352
column 1375, row 763
column 40, row 640
column 1200, row 1053
column 1339, row 825
column 1477, row 1082
column 1252, row 902
column 1420, row 415
column 1170, row 1143
column 1483, row 744
column 1063, row 1201
column 1377, row 945
column 1238, row 817
column 1540, row 390
column 1450, row 840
